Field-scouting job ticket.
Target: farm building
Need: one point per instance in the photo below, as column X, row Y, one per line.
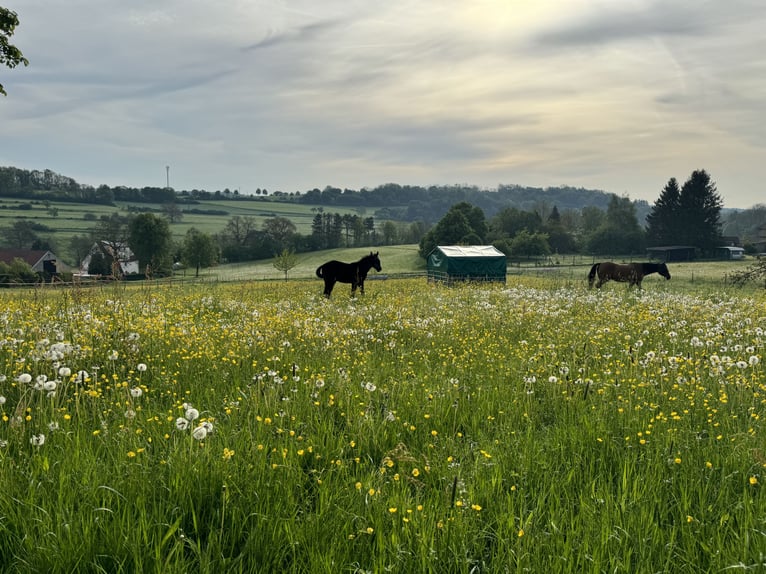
column 730, row 252
column 43, row 262
column 672, row 253
column 450, row 263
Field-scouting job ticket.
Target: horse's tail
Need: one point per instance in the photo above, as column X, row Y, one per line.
column 319, row 271
column 592, row 275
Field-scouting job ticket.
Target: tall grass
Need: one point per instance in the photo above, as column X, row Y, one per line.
column 255, row 427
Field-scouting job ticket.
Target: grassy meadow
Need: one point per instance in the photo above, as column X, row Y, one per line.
column 255, row 426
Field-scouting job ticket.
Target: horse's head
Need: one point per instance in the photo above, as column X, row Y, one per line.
column 374, row 261
column 662, row 269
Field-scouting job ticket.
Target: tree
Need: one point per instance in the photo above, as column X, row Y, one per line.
column 101, row 263
column 390, row 233
column 620, row 233
column 10, row 55
column 79, row 246
column 510, row 221
column 689, row 216
column 151, row 242
column 754, row 272
column 172, row 211
column 111, row 229
column 529, row 244
column 700, row 211
column 559, row 239
column 463, row 223
column 285, row 261
column 21, row 234
column 199, row 250
column 662, row 219
column 280, row 229
column 591, row 218
column 18, row 271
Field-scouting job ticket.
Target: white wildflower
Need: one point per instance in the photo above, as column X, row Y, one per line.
column 192, row 414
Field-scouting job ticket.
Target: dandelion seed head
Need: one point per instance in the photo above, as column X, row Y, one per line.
column 192, row 414
column 37, row 439
column 199, row 433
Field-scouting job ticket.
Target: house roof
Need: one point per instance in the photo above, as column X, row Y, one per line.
column 30, row 256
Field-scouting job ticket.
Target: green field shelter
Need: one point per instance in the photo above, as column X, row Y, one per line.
column 451, row 263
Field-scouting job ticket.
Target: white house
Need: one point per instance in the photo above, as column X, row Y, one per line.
column 119, row 252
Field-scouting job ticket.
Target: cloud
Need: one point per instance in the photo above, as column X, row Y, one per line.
column 618, row 95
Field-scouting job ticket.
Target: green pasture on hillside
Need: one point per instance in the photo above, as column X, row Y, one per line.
column 70, row 218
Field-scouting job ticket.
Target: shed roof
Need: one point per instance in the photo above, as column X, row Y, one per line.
column 470, row 251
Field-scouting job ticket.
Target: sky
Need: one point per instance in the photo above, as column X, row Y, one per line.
column 291, row 95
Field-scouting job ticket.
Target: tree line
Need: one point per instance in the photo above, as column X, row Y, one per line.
column 688, row 215
column 391, row 201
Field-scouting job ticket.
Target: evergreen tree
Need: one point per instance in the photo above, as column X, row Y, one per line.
column 689, row 216
column 700, row 211
column 663, row 218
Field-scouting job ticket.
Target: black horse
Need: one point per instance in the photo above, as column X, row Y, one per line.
column 354, row 273
column 633, row 273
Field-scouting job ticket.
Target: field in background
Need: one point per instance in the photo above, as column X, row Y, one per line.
column 70, row 219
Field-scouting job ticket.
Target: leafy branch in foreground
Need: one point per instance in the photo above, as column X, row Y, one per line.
column 752, row 273
column 10, row 55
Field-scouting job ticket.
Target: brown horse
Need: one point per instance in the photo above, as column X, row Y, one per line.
column 632, row 273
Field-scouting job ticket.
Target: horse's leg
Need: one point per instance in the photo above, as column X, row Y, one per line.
column 353, row 288
column 361, row 287
column 328, row 285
